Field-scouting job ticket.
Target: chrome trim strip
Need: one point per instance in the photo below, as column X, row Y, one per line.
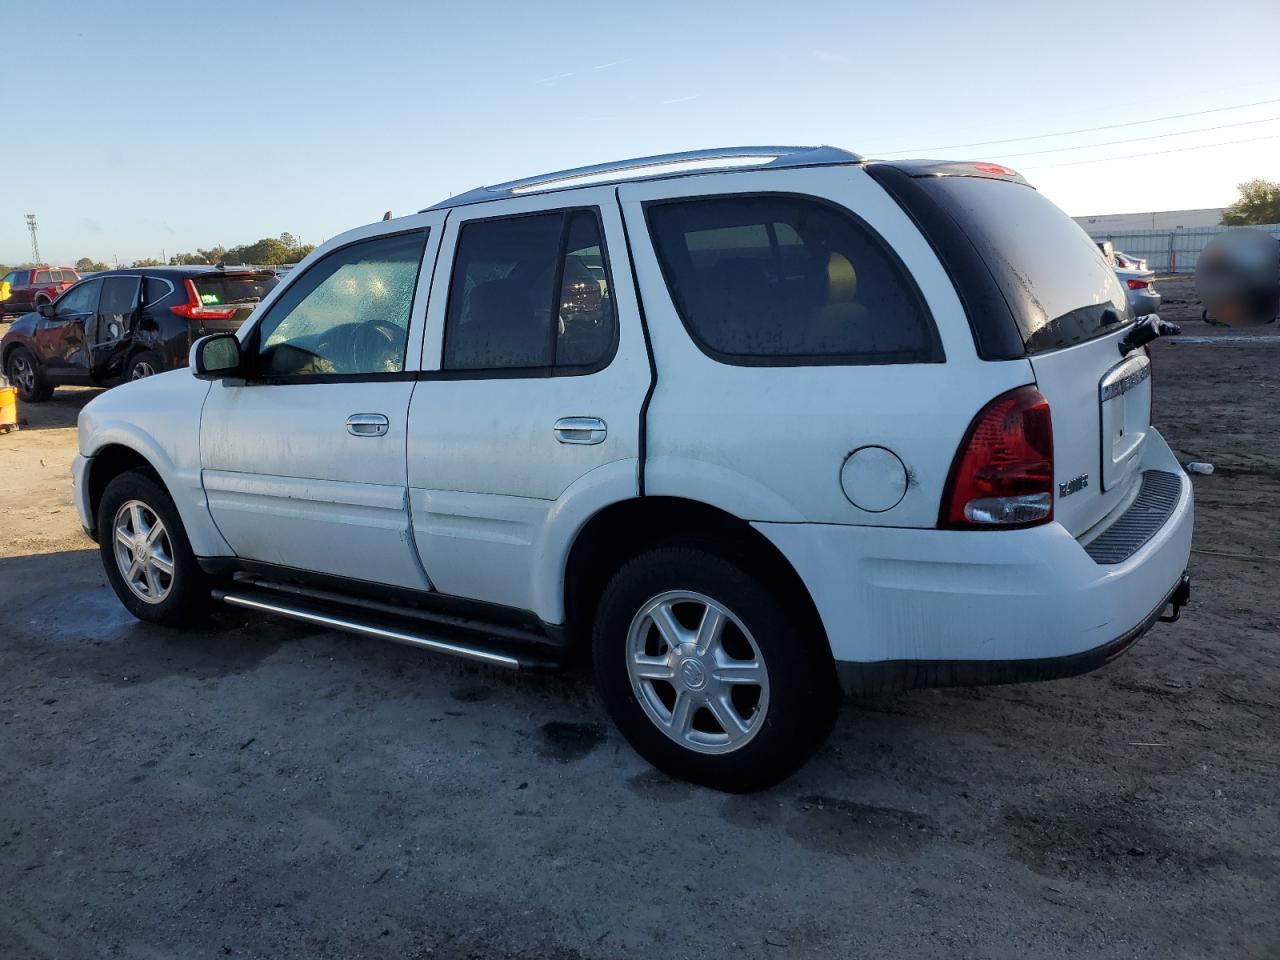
column 369, row 630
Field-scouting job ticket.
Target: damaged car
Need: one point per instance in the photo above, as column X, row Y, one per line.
column 125, row 325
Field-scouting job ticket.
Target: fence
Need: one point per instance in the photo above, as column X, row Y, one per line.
column 1169, row 251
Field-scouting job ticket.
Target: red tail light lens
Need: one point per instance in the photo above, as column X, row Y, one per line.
column 1138, row 284
column 193, row 309
column 1002, row 476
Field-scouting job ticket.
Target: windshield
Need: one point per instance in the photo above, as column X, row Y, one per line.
column 216, row 289
column 1053, row 276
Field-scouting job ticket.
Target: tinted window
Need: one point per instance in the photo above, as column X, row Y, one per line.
column 218, row 288
column 43, row 276
column 1060, row 285
column 349, row 314
column 530, row 292
column 788, row 279
column 81, row 299
column 154, row 290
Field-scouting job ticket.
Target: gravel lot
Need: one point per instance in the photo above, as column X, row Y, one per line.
column 263, row 789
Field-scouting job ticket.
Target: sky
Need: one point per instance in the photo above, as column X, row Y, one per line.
column 142, row 129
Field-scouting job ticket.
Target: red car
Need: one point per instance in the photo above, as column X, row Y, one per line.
column 30, row 287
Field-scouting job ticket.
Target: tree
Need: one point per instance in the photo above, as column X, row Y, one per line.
column 1259, row 203
column 147, row 262
column 88, row 265
column 289, row 240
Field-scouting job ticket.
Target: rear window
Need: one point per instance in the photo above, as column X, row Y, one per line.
column 216, row 289
column 784, row 280
column 1056, row 280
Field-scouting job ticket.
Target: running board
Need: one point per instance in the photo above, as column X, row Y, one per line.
column 319, row 614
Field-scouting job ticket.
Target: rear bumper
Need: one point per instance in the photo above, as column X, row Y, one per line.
column 1144, row 302
column 940, row 607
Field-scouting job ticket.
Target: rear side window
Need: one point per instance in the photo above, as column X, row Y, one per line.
column 778, row 280
column 154, row 290
column 1060, row 286
column 43, row 276
column 531, row 293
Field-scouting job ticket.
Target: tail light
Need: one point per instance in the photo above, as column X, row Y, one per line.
column 1138, row 284
column 193, row 309
column 1002, row 475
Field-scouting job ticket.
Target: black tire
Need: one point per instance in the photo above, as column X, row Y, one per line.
column 23, row 371
column 803, row 695
column 186, row 598
column 139, row 363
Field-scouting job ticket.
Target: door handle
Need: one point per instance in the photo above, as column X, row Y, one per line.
column 580, row 430
column 367, row 425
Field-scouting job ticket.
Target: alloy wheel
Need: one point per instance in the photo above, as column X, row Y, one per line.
column 22, row 373
column 141, row 369
column 697, row 672
column 143, row 551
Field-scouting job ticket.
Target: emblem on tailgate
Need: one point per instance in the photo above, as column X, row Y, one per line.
column 1067, row 487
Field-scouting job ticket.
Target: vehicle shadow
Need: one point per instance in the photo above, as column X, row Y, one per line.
column 58, row 412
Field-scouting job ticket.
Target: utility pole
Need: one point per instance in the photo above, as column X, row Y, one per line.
column 35, row 241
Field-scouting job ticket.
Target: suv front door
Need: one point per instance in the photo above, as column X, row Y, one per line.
column 535, row 371
column 62, row 340
column 304, row 462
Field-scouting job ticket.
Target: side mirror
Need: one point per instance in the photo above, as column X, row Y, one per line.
column 45, row 310
column 217, row 356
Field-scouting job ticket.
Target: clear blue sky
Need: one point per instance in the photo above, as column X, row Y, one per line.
column 142, row 127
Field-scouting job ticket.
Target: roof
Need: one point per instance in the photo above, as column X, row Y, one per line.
column 660, row 166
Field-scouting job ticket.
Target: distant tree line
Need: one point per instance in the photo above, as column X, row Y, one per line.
column 269, row 251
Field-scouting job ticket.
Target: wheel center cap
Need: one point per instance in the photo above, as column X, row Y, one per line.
column 692, row 674
column 141, row 552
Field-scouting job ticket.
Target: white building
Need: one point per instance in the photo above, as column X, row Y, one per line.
column 1160, row 220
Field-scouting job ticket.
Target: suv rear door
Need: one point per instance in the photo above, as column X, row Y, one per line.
column 535, row 372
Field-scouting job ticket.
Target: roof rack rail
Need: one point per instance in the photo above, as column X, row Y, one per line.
column 666, row 164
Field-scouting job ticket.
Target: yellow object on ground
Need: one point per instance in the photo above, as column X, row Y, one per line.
column 8, row 409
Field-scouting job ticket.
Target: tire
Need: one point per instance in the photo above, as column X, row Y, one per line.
column 134, row 501
column 780, row 722
column 23, row 371
column 145, row 364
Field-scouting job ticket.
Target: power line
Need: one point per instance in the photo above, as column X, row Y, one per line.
column 1067, row 133
column 1154, row 136
column 1156, row 153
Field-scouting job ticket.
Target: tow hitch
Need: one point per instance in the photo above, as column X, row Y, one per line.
column 1181, row 596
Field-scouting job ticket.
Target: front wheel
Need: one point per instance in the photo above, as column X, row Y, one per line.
column 146, row 554
column 24, row 373
column 709, row 674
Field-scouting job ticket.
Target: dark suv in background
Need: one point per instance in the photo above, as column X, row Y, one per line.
column 30, row 287
column 126, row 324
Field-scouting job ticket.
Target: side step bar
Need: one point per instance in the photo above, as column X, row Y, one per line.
column 366, row 624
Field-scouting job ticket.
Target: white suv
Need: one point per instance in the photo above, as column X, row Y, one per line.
column 748, row 425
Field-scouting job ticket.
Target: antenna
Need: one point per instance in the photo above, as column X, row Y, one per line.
column 35, row 241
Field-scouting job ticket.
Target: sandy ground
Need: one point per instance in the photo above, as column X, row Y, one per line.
column 263, row 789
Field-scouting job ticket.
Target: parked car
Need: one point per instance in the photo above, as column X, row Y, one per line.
column 29, row 288
column 125, row 325
column 1126, row 262
column 821, row 422
column 1140, row 288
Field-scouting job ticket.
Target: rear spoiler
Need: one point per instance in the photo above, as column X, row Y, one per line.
column 953, row 168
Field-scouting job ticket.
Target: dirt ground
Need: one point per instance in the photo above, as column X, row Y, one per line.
column 265, row 789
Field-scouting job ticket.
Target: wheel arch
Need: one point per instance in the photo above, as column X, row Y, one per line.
column 625, row 528
column 107, row 464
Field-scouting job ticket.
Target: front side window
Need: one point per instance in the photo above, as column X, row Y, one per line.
column 784, row 280
column 348, row 314
column 531, row 293
column 77, row 300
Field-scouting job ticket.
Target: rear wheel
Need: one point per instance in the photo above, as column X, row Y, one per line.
column 708, row 674
column 145, row 364
column 23, row 371
column 41, row 300
column 146, row 554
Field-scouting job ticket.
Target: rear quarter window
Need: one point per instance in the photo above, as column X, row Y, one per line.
column 786, row 280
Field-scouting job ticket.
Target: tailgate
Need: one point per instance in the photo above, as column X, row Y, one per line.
column 1101, row 405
